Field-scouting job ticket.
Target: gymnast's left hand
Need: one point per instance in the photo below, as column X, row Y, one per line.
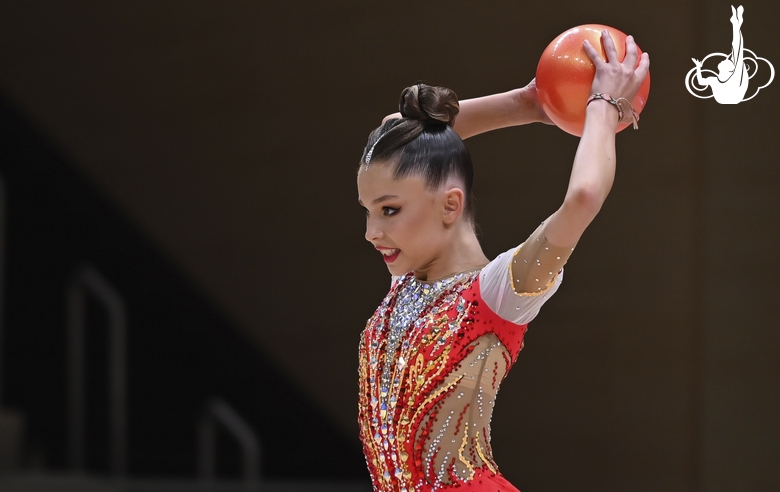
column 618, row 79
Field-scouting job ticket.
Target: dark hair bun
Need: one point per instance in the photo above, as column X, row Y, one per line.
column 429, row 104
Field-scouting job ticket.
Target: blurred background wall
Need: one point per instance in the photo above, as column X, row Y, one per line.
column 223, row 138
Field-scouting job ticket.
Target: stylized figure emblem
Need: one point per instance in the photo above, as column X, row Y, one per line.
column 730, row 84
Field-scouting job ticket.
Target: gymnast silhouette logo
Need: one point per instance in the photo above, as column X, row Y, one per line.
column 730, row 84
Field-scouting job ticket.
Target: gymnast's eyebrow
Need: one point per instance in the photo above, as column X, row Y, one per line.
column 381, row 199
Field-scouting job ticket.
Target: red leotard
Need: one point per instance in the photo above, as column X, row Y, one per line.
column 431, row 360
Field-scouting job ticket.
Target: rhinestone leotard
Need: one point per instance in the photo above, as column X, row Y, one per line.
column 431, row 361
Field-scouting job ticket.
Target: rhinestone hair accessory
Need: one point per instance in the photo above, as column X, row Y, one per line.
column 371, row 151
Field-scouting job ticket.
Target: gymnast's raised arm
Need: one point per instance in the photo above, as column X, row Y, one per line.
column 487, row 113
column 593, row 170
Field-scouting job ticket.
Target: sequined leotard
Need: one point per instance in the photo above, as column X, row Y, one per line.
column 432, row 358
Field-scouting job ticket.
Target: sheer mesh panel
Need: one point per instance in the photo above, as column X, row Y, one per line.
column 459, row 426
column 536, row 263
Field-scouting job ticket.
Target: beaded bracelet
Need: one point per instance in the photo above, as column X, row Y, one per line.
column 618, row 104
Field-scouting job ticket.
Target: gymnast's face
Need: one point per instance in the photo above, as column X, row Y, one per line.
column 407, row 222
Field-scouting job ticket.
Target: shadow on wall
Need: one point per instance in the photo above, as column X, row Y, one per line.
column 148, row 354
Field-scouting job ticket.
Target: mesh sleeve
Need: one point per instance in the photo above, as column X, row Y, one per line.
column 519, row 281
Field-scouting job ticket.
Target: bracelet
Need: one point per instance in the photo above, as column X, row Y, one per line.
column 618, row 103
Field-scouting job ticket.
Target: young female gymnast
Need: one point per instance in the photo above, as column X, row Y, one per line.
column 435, row 351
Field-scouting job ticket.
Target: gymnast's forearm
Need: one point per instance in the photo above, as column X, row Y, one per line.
column 592, row 176
column 484, row 114
column 487, row 113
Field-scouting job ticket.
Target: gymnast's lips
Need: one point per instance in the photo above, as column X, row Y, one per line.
column 389, row 254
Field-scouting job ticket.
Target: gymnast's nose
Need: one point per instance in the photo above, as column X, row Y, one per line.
column 373, row 231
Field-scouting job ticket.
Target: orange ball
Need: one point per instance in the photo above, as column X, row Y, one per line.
column 565, row 74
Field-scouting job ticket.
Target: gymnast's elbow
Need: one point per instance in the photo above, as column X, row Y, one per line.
column 585, row 201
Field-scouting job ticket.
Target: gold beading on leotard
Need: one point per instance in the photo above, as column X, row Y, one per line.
column 535, row 264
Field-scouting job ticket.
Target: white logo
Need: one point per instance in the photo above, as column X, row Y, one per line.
column 730, row 84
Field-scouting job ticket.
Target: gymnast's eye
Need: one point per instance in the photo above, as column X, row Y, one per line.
column 390, row 210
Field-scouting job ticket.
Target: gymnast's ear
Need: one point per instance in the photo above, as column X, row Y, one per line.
column 454, row 203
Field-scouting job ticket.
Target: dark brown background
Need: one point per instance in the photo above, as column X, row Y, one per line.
column 230, row 132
